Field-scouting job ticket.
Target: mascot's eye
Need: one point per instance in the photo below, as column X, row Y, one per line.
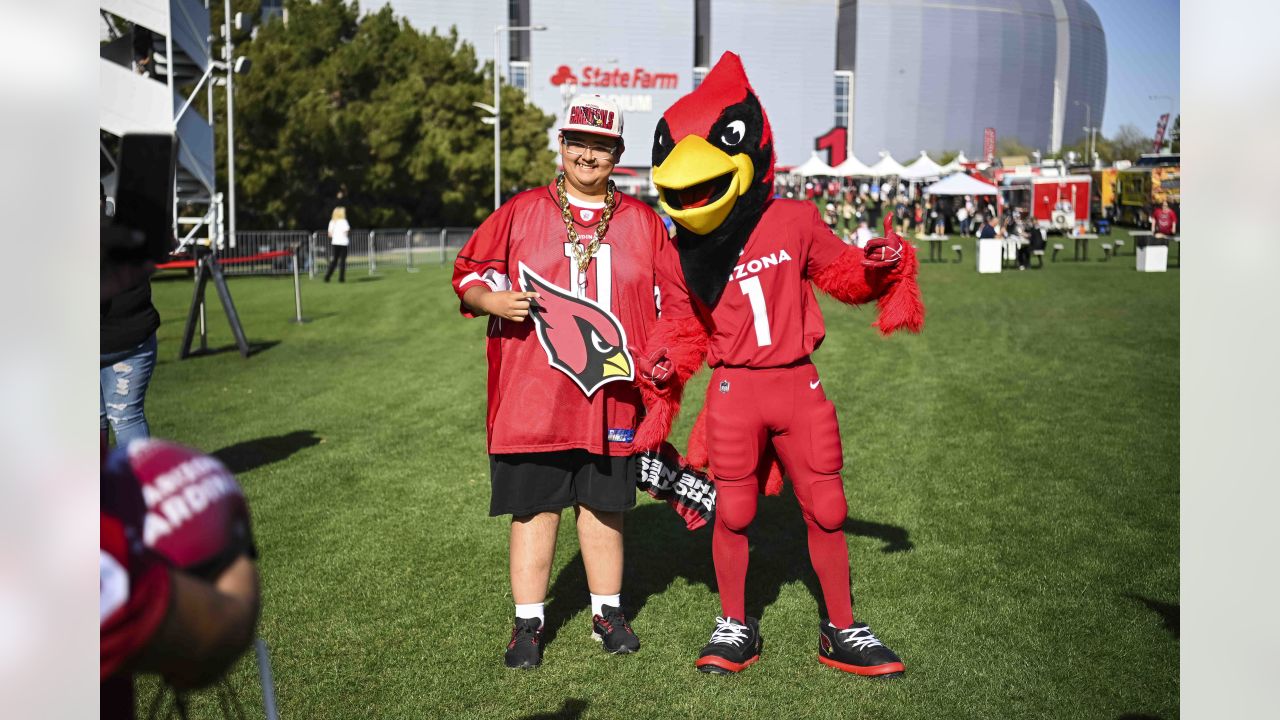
column 733, row 132
column 601, row 345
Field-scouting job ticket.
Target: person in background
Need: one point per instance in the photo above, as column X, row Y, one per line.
column 936, row 220
column 902, row 213
column 1164, row 221
column 962, row 219
column 989, row 230
column 339, row 239
column 127, row 323
column 862, row 234
column 829, row 216
column 847, row 217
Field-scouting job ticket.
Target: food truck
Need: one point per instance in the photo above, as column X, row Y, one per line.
column 1149, row 182
column 1058, row 203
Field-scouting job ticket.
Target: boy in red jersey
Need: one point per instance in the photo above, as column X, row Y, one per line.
column 749, row 260
column 573, row 275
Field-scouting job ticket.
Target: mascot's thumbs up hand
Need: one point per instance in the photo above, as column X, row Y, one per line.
column 197, row 516
column 655, row 367
column 884, row 251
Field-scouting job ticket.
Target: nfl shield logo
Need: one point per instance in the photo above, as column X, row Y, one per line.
column 724, row 386
column 585, row 215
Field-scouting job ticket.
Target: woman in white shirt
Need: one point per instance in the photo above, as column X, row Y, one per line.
column 339, row 239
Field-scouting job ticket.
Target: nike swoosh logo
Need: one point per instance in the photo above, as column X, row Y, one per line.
column 814, row 385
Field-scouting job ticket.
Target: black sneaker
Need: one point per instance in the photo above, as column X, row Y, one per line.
column 857, row 650
column 525, row 649
column 613, row 631
column 734, row 646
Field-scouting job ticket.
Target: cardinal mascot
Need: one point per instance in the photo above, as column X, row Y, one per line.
column 750, row 263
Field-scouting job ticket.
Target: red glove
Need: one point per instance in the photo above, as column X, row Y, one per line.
column 884, row 251
column 197, row 516
column 655, row 367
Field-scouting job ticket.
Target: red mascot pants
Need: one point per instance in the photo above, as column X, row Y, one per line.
column 749, row 410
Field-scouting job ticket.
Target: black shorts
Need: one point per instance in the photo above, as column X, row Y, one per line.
column 529, row 483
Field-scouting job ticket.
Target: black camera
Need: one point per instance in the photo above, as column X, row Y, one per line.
column 141, row 229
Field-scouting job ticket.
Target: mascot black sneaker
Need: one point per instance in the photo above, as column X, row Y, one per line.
column 857, row 650
column 610, row 627
column 525, row 649
column 734, row 646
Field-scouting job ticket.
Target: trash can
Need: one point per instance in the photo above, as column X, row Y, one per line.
column 990, row 254
column 1153, row 253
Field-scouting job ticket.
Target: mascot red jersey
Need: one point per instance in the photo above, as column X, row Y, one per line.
column 751, row 262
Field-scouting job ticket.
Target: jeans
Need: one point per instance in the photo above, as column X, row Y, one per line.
column 123, row 378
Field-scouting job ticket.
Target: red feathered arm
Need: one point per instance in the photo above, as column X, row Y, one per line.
column 886, row 272
column 683, row 342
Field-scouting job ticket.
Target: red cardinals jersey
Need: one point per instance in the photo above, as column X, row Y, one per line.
column 767, row 315
column 1165, row 220
column 563, row 381
column 133, row 584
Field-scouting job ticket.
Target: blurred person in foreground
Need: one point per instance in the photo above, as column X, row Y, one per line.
column 178, row 587
column 572, row 276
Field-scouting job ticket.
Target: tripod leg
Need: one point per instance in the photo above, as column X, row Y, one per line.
column 224, row 294
column 194, row 314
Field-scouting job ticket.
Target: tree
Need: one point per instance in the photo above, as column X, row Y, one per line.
column 1011, row 146
column 1130, row 143
column 1175, row 136
column 372, row 108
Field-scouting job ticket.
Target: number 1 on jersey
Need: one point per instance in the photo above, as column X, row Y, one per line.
column 755, row 294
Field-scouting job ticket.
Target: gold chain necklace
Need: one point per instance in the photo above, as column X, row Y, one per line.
column 582, row 255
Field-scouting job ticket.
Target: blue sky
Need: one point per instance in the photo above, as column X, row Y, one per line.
column 1142, row 60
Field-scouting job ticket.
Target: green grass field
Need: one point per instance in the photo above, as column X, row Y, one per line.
column 1012, row 476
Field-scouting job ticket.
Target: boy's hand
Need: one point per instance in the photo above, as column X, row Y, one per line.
column 507, row 304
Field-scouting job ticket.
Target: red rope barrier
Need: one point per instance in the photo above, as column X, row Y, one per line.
column 180, row 264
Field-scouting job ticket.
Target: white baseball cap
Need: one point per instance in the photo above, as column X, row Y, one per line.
column 593, row 114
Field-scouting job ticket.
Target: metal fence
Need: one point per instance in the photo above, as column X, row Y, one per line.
column 257, row 252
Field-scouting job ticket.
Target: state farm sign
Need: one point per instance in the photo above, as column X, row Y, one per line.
column 590, row 76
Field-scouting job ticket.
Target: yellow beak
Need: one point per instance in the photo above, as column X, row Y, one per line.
column 617, row 365
column 695, row 161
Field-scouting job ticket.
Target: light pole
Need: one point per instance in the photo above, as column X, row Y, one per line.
column 1090, row 132
column 497, row 107
column 232, row 65
column 1169, row 126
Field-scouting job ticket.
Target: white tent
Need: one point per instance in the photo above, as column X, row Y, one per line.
column 955, row 165
column 885, row 166
column 852, row 167
column 814, row 167
column 922, row 169
column 961, row 184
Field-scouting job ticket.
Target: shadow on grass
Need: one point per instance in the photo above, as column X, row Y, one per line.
column 245, row 456
column 659, row 550
column 570, row 710
column 1169, row 614
column 1138, row 716
column 254, row 349
column 367, row 278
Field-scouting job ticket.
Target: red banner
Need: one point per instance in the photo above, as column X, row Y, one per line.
column 1160, row 126
column 989, row 144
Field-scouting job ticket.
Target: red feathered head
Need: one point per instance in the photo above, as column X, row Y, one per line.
column 713, row 167
column 582, row 339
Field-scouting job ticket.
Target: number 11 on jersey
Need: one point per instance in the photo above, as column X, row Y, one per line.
column 755, row 294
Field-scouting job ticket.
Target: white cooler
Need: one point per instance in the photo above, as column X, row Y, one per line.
column 990, row 254
column 1153, row 258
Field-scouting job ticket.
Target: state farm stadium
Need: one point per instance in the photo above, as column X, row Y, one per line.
column 897, row 76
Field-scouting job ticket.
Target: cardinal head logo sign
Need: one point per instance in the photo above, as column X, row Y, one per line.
column 581, row 339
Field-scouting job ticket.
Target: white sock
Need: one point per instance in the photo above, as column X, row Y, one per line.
column 531, row 610
column 599, row 600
